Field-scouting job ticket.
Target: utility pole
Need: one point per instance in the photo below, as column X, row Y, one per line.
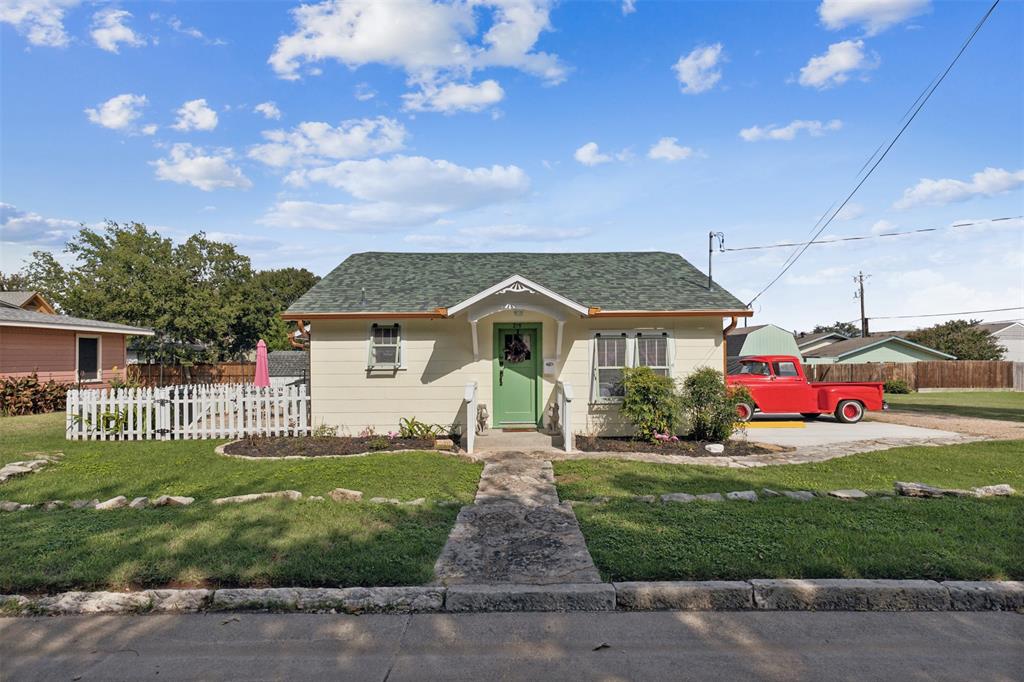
column 859, row 280
column 721, row 243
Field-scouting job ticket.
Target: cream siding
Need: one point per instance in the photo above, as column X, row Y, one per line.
column 438, row 363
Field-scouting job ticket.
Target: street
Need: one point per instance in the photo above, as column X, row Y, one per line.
column 528, row 646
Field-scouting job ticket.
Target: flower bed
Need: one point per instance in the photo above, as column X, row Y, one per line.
column 314, row 446
column 691, row 448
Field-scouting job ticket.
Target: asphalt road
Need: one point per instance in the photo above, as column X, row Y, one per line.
column 533, row 646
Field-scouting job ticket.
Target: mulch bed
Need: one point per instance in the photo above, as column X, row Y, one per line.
column 690, row 448
column 322, row 447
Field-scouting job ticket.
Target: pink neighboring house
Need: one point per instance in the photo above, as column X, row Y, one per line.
column 68, row 349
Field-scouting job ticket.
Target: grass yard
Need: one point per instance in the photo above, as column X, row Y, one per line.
column 878, row 538
column 258, row 544
column 1006, row 405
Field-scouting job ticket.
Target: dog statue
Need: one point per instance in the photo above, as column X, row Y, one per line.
column 482, row 418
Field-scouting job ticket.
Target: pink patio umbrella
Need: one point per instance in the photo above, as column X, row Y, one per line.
column 262, row 378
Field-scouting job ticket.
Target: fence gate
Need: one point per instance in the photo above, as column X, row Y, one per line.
column 187, row 412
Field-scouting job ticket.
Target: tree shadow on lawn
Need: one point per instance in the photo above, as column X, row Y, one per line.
column 979, row 411
column 262, row 544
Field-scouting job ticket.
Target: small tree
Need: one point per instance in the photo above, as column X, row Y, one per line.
column 650, row 403
column 845, row 328
column 710, row 406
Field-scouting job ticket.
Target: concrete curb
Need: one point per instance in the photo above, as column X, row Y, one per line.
column 712, row 595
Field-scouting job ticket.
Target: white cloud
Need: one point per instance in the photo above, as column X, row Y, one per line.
column 988, row 182
column 109, row 30
column 25, row 227
column 191, row 165
column 830, row 275
column 40, row 21
column 789, row 132
column 589, row 155
column 315, row 142
column 851, row 211
column 874, row 15
column 178, row 27
column 434, row 43
column 668, row 149
column 364, row 93
column 401, row 191
column 835, row 66
column 453, row 97
column 628, row 6
column 121, row 113
column 698, row 71
column 195, row 115
column 269, row 110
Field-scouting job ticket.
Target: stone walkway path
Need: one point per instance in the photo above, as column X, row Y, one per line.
column 516, row 532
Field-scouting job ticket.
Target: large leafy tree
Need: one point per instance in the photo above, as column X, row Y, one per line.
column 13, row 281
column 962, row 338
column 201, row 296
column 847, row 328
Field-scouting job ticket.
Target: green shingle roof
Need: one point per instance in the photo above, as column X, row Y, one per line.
column 415, row 282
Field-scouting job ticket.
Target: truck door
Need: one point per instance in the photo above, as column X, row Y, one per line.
column 790, row 388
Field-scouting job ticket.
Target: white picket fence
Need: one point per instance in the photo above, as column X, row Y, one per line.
column 187, row 412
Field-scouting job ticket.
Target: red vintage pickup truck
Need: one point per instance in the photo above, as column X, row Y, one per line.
column 777, row 385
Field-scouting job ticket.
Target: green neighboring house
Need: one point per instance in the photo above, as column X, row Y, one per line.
column 873, row 349
column 760, row 339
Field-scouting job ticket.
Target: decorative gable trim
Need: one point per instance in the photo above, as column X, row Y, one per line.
column 517, row 284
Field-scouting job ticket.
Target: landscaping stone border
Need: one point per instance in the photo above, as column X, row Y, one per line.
column 712, row 595
column 219, row 450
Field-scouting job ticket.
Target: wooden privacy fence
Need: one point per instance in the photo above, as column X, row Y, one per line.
column 150, row 374
column 980, row 374
column 187, row 412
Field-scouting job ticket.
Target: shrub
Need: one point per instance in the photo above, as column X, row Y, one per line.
column 28, row 395
column 710, row 405
column 650, row 402
column 896, row 386
column 379, row 443
column 411, row 427
column 325, row 431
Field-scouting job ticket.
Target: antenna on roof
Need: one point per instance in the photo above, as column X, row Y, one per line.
column 362, row 295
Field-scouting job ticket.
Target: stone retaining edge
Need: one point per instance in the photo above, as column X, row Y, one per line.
column 712, row 595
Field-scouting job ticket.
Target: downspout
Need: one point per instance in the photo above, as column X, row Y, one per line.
column 725, row 346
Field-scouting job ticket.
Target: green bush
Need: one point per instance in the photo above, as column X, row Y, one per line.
column 896, row 386
column 28, row 395
column 650, row 402
column 710, row 406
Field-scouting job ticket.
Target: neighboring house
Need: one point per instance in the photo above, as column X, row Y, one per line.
column 60, row 347
column 398, row 335
column 26, row 300
column 874, row 349
column 761, row 339
column 810, row 342
column 1009, row 335
column 288, row 367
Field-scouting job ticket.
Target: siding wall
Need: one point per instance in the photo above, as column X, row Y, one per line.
column 51, row 354
column 438, row 363
column 1012, row 339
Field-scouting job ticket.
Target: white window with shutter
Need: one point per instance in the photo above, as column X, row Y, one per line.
column 614, row 351
column 385, row 346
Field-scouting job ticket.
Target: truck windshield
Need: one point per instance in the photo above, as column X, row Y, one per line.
column 754, row 368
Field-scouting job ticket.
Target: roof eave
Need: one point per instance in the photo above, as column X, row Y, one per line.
column 79, row 328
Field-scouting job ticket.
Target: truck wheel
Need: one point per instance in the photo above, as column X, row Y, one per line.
column 810, row 416
column 744, row 411
column 849, row 411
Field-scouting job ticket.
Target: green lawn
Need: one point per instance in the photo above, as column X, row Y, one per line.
column 877, row 538
column 261, row 543
column 987, row 404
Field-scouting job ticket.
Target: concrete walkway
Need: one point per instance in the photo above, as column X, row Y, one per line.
column 662, row 645
column 516, row 532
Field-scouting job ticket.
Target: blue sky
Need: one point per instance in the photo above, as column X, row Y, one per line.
column 305, row 134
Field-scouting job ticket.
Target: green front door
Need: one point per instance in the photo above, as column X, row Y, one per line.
column 517, row 363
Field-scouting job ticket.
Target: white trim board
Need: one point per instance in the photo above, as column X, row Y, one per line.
column 521, row 281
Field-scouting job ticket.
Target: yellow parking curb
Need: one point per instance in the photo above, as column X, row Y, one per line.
column 774, row 425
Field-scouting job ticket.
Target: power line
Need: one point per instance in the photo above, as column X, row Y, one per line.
column 962, row 312
column 836, row 240
column 922, row 100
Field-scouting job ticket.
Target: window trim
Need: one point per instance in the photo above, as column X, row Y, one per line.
column 99, row 359
column 399, row 349
column 632, row 356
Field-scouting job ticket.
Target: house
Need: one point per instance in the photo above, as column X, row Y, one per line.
column 873, row 349
column 287, row 367
column 809, row 342
column 59, row 347
column 1009, row 335
column 398, row 335
column 760, row 339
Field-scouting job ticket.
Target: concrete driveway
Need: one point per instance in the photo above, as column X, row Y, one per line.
column 828, row 431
